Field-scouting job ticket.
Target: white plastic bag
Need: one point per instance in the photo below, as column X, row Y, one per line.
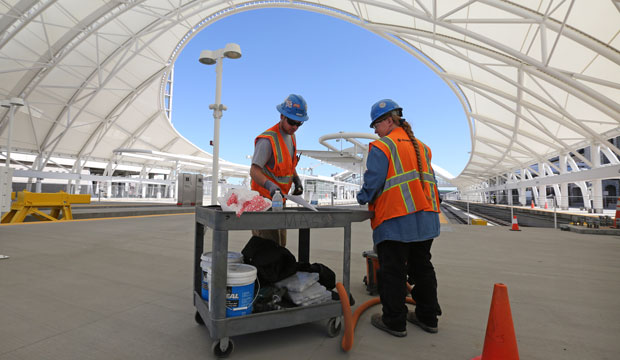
column 315, row 291
column 325, row 297
column 241, row 200
column 299, row 281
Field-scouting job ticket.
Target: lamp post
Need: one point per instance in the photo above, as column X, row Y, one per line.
column 11, row 104
column 210, row 57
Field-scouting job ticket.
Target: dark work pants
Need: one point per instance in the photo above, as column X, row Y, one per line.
column 396, row 261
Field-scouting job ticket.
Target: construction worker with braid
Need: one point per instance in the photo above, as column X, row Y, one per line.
column 400, row 187
column 275, row 158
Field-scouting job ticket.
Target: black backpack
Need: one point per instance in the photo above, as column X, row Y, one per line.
column 272, row 261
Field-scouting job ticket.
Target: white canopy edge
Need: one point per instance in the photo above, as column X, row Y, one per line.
column 536, row 79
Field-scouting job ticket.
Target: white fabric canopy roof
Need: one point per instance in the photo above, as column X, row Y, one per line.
column 536, row 78
column 352, row 159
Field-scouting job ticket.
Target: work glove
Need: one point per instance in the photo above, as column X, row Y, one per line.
column 299, row 189
column 269, row 185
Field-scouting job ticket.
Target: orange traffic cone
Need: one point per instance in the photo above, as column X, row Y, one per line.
column 515, row 224
column 532, row 204
column 500, row 341
column 546, row 205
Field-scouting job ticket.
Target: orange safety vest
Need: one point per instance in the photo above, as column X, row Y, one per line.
column 284, row 165
column 402, row 193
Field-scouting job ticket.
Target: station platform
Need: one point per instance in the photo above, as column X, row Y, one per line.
column 122, row 289
column 112, row 209
column 127, row 207
column 530, row 217
column 134, row 207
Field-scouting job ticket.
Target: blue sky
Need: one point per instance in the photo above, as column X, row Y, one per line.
column 339, row 68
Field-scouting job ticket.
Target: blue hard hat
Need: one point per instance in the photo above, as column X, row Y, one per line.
column 294, row 107
column 381, row 108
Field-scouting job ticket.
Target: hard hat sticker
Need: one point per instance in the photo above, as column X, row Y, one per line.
column 382, row 105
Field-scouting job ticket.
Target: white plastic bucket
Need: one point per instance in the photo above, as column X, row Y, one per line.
column 205, row 263
column 239, row 289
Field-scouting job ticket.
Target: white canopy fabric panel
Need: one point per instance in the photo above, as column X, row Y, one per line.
column 536, row 78
column 352, row 159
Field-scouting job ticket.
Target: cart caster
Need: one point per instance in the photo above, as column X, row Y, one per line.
column 333, row 327
column 198, row 319
column 222, row 348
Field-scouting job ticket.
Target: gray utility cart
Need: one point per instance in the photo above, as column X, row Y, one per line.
column 222, row 328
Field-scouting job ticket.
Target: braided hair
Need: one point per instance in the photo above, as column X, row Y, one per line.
column 399, row 121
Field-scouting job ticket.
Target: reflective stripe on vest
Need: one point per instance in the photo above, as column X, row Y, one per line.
column 401, row 178
column 274, row 137
column 279, row 179
column 407, row 176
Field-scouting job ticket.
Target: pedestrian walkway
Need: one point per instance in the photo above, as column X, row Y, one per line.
column 122, row 289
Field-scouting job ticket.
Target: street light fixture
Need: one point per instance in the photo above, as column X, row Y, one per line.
column 11, row 104
column 210, row 57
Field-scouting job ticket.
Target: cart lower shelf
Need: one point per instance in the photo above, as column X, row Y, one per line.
column 268, row 320
column 221, row 329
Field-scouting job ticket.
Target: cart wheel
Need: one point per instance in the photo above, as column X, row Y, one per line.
column 333, row 327
column 198, row 319
column 216, row 347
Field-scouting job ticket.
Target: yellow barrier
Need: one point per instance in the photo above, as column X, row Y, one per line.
column 28, row 203
column 478, row 222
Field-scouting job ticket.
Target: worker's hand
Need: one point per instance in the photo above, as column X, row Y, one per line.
column 299, row 189
column 269, row 185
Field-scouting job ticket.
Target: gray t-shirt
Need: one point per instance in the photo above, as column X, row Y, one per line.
column 263, row 154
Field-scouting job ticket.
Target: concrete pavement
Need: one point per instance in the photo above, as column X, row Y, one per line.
column 122, row 289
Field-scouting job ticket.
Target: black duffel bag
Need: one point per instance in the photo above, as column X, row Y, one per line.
column 272, row 261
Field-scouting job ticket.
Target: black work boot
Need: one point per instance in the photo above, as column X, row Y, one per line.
column 377, row 322
column 412, row 318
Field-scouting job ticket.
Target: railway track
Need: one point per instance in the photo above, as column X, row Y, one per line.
column 460, row 215
column 453, row 215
